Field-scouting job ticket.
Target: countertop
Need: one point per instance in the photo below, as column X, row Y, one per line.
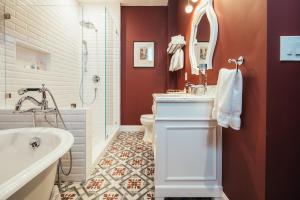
column 183, row 97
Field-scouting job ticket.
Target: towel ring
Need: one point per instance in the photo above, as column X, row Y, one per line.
column 238, row 62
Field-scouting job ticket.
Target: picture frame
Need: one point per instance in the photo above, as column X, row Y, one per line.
column 143, row 53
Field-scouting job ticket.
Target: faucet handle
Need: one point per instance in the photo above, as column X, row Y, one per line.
column 188, row 87
column 188, row 84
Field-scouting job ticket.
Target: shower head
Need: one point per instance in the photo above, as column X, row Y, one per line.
column 88, row 25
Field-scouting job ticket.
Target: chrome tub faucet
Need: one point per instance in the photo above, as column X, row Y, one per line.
column 43, row 104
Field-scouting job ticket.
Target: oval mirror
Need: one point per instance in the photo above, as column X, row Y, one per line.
column 203, row 37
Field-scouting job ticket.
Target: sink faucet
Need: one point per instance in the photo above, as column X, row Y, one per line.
column 43, row 104
column 188, row 87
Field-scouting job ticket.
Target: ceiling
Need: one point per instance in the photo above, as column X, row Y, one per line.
column 144, row 2
column 132, row 2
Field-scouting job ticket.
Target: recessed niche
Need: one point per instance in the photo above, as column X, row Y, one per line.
column 31, row 57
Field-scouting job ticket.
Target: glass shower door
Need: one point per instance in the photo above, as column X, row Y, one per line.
column 2, row 57
column 93, row 72
column 111, row 74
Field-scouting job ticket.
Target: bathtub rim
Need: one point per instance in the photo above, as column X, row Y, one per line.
column 16, row 182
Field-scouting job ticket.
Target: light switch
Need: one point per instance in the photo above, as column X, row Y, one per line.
column 290, row 48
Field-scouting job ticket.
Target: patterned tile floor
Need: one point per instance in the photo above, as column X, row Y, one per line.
column 126, row 172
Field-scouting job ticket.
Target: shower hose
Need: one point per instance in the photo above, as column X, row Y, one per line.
column 59, row 166
column 81, row 95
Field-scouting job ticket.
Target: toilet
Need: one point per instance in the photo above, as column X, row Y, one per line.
column 147, row 122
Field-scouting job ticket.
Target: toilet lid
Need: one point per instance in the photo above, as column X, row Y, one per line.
column 148, row 116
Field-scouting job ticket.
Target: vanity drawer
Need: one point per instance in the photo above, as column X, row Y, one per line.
column 184, row 111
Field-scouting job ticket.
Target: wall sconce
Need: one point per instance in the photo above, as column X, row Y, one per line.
column 189, row 8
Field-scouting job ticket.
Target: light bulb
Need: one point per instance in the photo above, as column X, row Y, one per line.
column 189, row 8
column 194, row 1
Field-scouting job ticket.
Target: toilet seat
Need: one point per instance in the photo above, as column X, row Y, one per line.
column 147, row 117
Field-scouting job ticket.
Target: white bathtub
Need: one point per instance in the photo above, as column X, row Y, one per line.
column 26, row 173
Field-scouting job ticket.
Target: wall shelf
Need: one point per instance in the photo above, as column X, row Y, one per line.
column 32, row 57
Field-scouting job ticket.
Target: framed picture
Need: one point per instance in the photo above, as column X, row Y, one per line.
column 201, row 52
column 143, row 54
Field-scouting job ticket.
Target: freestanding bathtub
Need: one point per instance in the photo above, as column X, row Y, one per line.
column 28, row 172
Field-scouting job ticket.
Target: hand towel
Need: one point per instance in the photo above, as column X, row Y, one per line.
column 177, row 61
column 174, row 61
column 228, row 103
column 179, row 39
column 180, row 62
column 175, row 41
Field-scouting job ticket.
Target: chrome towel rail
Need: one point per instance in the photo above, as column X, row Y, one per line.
column 238, row 62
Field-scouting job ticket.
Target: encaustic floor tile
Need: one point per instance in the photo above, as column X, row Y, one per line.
column 126, row 172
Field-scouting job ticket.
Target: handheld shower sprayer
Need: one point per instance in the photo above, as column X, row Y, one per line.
column 25, row 90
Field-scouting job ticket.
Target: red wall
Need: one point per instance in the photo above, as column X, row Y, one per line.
column 283, row 139
column 138, row 84
column 172, row 30
column 262, row 160
column 242, row 31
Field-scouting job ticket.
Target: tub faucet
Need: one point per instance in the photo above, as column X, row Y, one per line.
column 43, row 104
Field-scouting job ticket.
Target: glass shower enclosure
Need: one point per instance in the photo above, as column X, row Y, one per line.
column 72, row 48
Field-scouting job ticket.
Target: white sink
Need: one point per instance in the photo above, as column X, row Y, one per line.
column 210, row 94
column 173, row 94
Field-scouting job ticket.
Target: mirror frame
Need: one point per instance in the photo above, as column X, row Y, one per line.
column 205, row 7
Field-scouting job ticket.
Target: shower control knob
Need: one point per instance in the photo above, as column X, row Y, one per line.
column 96, row 79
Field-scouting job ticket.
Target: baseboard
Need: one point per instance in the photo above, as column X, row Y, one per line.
column 225, row 197
column 215, row 192
column 131, row 128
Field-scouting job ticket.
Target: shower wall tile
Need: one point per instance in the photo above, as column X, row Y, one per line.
column 54, row 29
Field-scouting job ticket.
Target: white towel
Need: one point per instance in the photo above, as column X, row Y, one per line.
column 177, row 61
column 174, row 61
column 175, row 41
column 228, row 103
column 180, row 63
column 179, row 39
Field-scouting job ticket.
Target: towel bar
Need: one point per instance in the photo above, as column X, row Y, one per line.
column 173, row 48
column 238, row 62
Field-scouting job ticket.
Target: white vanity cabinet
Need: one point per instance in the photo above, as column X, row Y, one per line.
column 188, row 147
